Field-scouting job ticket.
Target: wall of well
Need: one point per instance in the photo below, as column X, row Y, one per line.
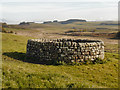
column 66, row 50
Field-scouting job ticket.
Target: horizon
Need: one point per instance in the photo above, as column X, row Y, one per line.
column 16, row 12
column 58, row 21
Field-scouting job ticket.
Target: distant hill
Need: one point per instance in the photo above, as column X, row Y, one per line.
column 108, row 24
column 47, row 22
column 65, row 22
column 26, row 23
column 72, row 20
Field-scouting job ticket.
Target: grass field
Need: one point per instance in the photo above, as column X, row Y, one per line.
column 19, row 74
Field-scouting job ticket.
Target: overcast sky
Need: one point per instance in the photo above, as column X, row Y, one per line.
column 59, row 0
column 15, row 11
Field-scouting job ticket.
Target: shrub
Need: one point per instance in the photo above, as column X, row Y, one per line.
column 11, row 32
column 84, row 30
column 4, row 25
column 94, row 31
column 118, row 34
column 3, row 30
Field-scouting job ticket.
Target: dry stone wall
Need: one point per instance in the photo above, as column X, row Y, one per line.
column 67, row 50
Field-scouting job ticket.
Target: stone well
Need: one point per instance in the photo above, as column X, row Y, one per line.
column 67, row 50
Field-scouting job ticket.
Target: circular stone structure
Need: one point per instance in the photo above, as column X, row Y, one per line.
column 67, row 50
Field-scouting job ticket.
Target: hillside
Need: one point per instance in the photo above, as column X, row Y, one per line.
column 17, row 72
column 65, row 22
column 20, row 74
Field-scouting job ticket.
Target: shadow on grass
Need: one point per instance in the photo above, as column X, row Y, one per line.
column 23, row 57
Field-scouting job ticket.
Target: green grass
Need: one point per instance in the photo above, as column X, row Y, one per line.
column 89, row 26
column 19, row 74
column 112, row 48
column 12, row 43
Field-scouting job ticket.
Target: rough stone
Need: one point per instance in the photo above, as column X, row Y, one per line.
column 66, row 50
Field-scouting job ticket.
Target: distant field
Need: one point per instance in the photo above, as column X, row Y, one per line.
column 98, row 26
column 105, row 29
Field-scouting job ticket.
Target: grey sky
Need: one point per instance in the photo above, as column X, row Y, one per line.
column 59, row 0
column 35, row 10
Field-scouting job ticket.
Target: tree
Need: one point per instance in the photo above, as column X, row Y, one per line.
column 4, row 25
column 118, row 34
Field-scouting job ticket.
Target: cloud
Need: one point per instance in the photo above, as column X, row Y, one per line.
column 42, row 11
column 60, row 1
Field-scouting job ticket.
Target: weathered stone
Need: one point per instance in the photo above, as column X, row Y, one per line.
column 65, row 49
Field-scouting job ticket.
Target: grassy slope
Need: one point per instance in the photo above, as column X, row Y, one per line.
column 66, row 27
column 19, row 74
